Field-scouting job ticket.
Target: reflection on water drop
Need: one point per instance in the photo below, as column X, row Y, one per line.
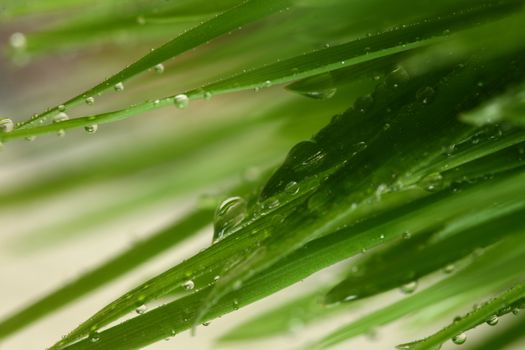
column 181, row 101
column 90, row 100
column 141, row 309
column 118, row 87
column 94, row 337
column 228, row 215
column 91, row 129
column 159, row 68
column 460, row 339
column 320, row 94
column 59, row 118
column 6, row 125
column 188, row 285
column 292, row 188
column 493, row 320
column 409, row 288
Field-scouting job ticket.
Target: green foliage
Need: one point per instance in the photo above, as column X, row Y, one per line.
column 415, row 165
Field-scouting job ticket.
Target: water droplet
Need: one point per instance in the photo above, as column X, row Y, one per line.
column 317, row 201
column 159, row 68
column 94, row 337
column 118, row 87
column 188, row 285
column 181, row 101
column 90, row 100
column 60, row 108
column 59, row 118
column 516, row 311
column 235, row 304
column 271, row 203
column 91, row 129
column 449, row 268
column 207, row 95
column 460, row 339
column 6, row 125
column 409, row 288
column 18, row 41
column 425, row 95
column 432, row 182
column 267, row 83
column 228, row 215
column 397, row 76
column 141, row 309
column 324, row 94
column 406, row 235
column 493, row 320
column 206, row 324
column 30, row 138
column 291, row 187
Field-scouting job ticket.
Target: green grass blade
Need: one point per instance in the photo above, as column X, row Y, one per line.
column 318, row 254
column 464, row 284
column 501, row 305
column 247, row 12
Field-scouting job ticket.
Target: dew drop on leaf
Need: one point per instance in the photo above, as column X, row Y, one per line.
column 189, row 285
column 409, row 288
column 61, row 108
column 397, row 77
column 291, row 187
column 59, row 118
column 94, row 337
column 460, row 339
column 324, row 94
column 181, row 101
column 228, row 215
column 432, row 182
column 271, row 203
column 141, row 309
column 493, row 320
column 6, row 125
column 91, row 129
column 90, row 100
column 159, row 68
column 449, row 268
column 118, row 87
